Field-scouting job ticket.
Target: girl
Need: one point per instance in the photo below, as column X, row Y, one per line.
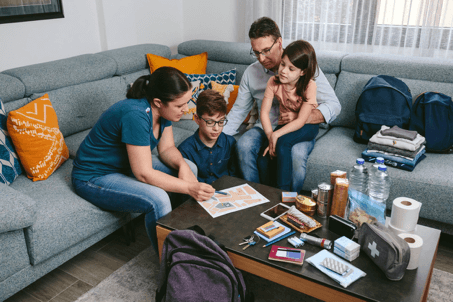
column 295, row 89
column 114, row 168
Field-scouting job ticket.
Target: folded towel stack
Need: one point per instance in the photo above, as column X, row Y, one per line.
column 400, row 148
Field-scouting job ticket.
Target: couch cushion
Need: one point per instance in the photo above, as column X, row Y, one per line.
column 11, row 88
column 133, row 58
column 12, row 262
column 63, row 218
column 130, row 78
column 62, row 73
column 79, row 107
column 430, row 183
column 73, row 141
column 17, row 210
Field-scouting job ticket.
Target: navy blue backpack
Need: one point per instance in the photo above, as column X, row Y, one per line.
column 432, row 117
column 385, row 100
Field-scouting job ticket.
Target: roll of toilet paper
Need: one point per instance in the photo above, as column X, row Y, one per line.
column 398, row 231
column 405, row 213
column 415, row 244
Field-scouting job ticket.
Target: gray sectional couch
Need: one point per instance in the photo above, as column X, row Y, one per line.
column 44, row 223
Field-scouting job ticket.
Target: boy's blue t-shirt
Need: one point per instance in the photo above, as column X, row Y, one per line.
column 212, row 163
column 104, row 149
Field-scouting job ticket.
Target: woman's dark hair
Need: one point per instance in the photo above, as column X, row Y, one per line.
column 264, row 27
column 211, row 102
column 165, row 84
column 302, row 55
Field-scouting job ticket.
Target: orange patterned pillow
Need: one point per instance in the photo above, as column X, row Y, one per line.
column 193, row 64
column 37, row 138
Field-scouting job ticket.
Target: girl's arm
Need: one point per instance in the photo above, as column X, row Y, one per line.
column 304, row 113
column 266, row 106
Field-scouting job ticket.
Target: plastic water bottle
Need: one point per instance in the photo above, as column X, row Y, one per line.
column 373, row 169
column 379, row 187
column 358, row 177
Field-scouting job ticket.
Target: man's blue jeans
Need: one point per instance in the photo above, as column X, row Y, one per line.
column 256, row 168
column 122, row 193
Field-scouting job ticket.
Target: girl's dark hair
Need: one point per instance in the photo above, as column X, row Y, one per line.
column 211, row 102
column 165, row 84
column 302, row 55
column 264, row 27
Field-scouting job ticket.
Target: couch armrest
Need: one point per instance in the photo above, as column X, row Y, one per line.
column 17, row 210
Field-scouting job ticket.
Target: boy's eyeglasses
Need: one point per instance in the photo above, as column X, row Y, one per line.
column 211, row 123
column 265, row 52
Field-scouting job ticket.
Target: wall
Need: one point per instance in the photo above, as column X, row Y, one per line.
column 34, row 42
column 92, row 26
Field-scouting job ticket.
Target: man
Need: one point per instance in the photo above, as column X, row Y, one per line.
column 266, row 42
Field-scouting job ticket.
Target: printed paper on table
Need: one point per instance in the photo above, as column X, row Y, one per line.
column 239, row 198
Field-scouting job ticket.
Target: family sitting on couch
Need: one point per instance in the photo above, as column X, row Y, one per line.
column 115, row 170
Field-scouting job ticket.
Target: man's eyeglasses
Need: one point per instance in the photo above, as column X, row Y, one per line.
column 211, row 123
column 265, row 52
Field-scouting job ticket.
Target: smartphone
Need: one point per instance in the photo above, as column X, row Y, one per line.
column 293, row 254
column 275, row 212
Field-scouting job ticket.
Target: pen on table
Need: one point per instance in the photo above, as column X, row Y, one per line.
column 220, row 192
column 280, row 238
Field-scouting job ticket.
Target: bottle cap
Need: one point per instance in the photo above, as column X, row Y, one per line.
column 360, row 161
column 382, row 168
column 379, row 160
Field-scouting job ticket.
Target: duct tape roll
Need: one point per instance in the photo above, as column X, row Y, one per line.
column 396, row 230
column 405, row 213
column 415, row 244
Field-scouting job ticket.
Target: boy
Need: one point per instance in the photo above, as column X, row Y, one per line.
column 211, row 150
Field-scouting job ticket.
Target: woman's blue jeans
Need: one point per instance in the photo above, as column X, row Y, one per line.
column 122, row 193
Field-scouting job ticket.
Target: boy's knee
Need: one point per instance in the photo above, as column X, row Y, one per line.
column 192, row 166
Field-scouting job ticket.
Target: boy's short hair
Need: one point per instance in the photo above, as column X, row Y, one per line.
column 211, row 102
column 264, row 27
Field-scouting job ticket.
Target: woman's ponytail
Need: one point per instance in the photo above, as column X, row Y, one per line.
column 138, row 89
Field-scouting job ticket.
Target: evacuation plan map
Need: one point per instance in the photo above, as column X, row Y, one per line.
column 238, row 198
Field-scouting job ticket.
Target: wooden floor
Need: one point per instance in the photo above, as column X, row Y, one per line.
column 80, row 274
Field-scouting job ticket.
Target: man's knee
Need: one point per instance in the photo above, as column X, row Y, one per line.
column 192, row 166
column 250, row 141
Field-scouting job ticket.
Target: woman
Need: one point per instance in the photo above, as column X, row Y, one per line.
column 114, row 168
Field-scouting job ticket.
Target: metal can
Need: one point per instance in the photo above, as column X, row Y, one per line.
column 314, row 194
column 324, row 201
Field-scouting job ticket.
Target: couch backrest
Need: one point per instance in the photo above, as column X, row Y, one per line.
column 223, row 56
column 420, row 75
column 80, row 88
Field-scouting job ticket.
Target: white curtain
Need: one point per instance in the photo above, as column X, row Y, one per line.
column 255, row 9
column 407, row 27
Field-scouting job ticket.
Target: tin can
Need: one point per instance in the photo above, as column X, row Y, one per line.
column 324, row 202
column 314, row 194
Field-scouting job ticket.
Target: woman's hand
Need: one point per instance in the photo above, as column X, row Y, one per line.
column 201, row 191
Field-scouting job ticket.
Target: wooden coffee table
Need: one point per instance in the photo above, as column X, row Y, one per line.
column 231, row 228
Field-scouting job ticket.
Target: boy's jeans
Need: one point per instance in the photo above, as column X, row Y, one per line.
column 256, row 168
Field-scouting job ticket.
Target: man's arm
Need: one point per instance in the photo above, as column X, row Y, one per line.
column 241, row 107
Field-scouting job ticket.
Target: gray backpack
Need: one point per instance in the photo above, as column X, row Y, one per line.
column 388, row 251
column 195, row 268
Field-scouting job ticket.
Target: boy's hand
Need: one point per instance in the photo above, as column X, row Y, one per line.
column 201, row 191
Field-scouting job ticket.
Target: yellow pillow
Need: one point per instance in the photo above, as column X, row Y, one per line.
column 193, row 64
column 37, row 138
column 230, row 92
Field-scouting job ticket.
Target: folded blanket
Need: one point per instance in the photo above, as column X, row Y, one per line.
column 397, row 151
column 397, row 142
column 401, row 133
column 394, row 164
column 395, row 158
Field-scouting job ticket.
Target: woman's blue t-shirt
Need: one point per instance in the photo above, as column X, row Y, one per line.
column 104, row 149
